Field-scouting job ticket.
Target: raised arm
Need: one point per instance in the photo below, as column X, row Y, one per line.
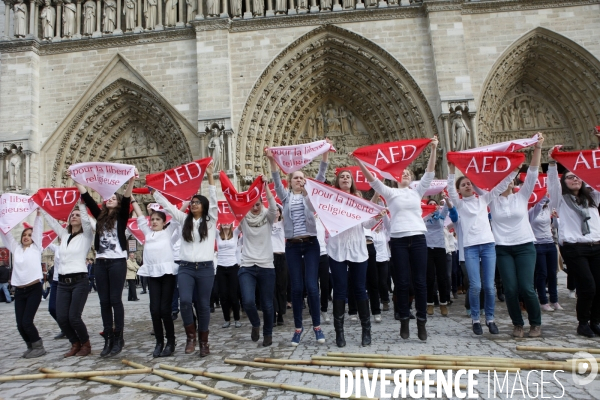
column 129, row 188
column 213, row 205
column 500, row 188
column 54, row 224
column 453, row 194
column 136, row 207
column 9, row 241
column 86, row 222
column 553, row 182
column 368, row 175
column 279, row 189
column 272, row 214
column 179, row 216
column 142, row 222
column 431, row 164
column 38, row 229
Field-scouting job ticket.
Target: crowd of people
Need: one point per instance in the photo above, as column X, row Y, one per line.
column 280, row 256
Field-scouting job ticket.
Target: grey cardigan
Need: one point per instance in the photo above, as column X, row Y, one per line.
column 283, row 194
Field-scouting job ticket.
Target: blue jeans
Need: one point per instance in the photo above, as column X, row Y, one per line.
column 295, row 253
column 4, row 288
column 409, row 261
column 339, row 274
column 195, row 280
column 249, row 278
column 52, row 301
column 546, row 266
column 480, row 261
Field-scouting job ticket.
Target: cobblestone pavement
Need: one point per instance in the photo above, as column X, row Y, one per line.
column 450, row 336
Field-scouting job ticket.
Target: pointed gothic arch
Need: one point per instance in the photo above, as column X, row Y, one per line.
column 330, row 71
column 543, row 82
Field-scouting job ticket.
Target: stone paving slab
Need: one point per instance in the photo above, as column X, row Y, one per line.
column 448, row 336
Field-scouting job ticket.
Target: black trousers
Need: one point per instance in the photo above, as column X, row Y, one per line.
column 324, row 281
column 27, row 302
column 281, row 283
column 383, row 277
column 70, row 301
column 132, row 293
column 373, row 280
column 110, row 275
column 583, row 262
column 161, row 297
column 436, row 268
column 227, row 280
column 144, row 282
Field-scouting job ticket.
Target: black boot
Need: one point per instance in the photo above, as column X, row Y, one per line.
column 108, row 344
column 160, row 345
column 339, row 308
column 169, row 348
column 118, row 343
column 422, row 332
column 365, row 320
column 404, row 332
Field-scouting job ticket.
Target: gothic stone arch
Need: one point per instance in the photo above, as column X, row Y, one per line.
column 543, row 82
column 330, row 82
column 122, row 123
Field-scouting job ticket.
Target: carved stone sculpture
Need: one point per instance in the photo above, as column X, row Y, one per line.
column 13, row 169
column 280, row 7
column 20, row 19
column 333, row 122
column 302, row 4
column 311, row 131
column 325, row 4
column 110, row 16
column 346, row 124
column 236, row 8
column 258, row 9
column 215, row 149
column 460, row 133
column 150, row 13
column 89, row 17
column 171, row 12
column 514, row 122
column 348, row 4
column 69, row 15
column 129, row 11
column 48, row 17
column 212, row 8
column 320, row 125
column 192, row 9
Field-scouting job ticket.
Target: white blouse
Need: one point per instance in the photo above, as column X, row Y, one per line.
column 27, row 263
column 278, row 237
column 158, row 251
column 226, row 249
column 351, row 244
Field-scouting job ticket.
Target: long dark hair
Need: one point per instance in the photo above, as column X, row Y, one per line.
column 70, row 228
column 188, row 224
column 107, row 218
column 583, row 197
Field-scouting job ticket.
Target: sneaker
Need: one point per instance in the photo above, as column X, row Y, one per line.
column 386, row 306
column 535, row 331
column 556, row 306
column 289, row 305
column 237, row 324
column 226, row 324
column 477, row 328
column 572, row 294
column 546, row 307
column 325, row 316
column 354, row 318
column 319, row 336
column 378, row 318
column 468, row 312
column 430, row 309
column 517, row 331
column 174, row 315
column 493, row 328
column 296, row 337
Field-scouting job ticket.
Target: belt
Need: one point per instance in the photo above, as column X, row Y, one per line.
column 301, row 240
column 72, row 278
column 196, row 264
column 590, row 244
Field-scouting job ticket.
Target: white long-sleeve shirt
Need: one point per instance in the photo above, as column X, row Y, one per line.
column 510, row 217
column 322, row 236
column 226, row 249
column 473, row 215
column 196, row 250
column 405, row 206
column 351, row 244
column 381, row 237
column 540, row 218
column 158, row 250
column 73, row 254
column 569, row 229
column 56, row 250
column 27, row 263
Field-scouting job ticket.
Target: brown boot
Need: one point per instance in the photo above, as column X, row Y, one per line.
column 190, row 345
column 75, row 347
column 204, row 350
column 85, row 350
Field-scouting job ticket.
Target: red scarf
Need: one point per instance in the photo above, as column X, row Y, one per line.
column 57, row 202
column 486, row 170
column 241, row 203
column 583, row 163
column 180, row 182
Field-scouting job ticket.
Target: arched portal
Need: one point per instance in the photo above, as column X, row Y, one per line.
column 543, row 82
column 330, row 82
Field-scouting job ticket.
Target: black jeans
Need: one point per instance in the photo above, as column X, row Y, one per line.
column 383, row 277
column 409, row 262
column 436, row 267
column 110, row 275
column 324, row 281
column 27, row 301
column 92, row 283
column 161, row 297
column 281, row 283
column 584, row 263
column 144, row 282
column 227, row 279
column 132, row 293
column 70, row 301
column 373, row 280
column 52, row 301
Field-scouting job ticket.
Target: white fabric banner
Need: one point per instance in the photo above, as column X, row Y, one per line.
column 293, row 158
column 511, row 145
column 14, row 208
column 338, row 210
column 104, row 178
column 437, row 186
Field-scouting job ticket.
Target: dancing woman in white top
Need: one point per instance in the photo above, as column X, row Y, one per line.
column 26, row 278
column 408, row 245
column 227, row 273
column 579, row 235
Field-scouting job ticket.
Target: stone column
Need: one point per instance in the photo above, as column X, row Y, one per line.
column 224, row 9
column 473, row 125
column 78, row 21
column 2, row 172
column 314, row 8
column 269, row 12
column 32, row 21
column 27, row 172
column 360, row 4
column 248, row 13
column 159, row 23
column 58, row 36
column 336, row 6
column 118, row 31
column 7, row 6
column 180, row 21
column 139, row 27
column 98, row 32
column 292, row 8
column 382, row 4
column 200, row 11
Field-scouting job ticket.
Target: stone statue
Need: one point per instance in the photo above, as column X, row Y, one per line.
column 89, row 17
column 539, row 116
column 302, row 4
column 526, row 119
column 192, row 9
column 215, row 149
column 171, row 12
column 258, row 8
column 129, row 11
column 353, row 123
column 325, row 4
column 460, row 133
column 110, row 16
column 152, row 149
column 48, row 17
column 121, row 149
column 348, row 4
column 320, row 125
column 212, row 8
column 505, row 120
column 150, row 10
column 333, row 123
column 346, row 124
column 69, row 15
column 20, row 19
column 280, row 7
column 514, row 123
column 236, row 8
column 13, row 168
column 312, row 129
